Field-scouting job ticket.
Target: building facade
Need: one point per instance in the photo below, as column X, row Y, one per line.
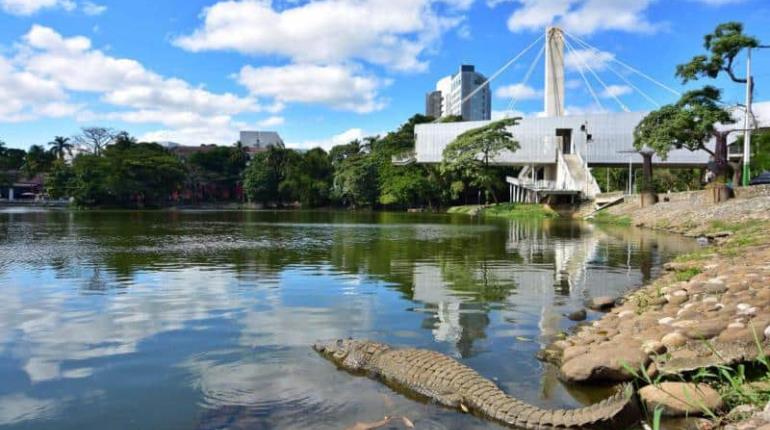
column 260, row 139
column 451, row 91
column 433, row 102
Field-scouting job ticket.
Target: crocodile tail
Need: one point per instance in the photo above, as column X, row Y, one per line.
column 619, row 411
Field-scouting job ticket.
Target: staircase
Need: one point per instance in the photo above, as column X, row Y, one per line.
column 581, row 175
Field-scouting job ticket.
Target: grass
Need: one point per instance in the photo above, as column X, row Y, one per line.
column 687, row 274
column 737, row 385
column 608, row 218
column 506, row 210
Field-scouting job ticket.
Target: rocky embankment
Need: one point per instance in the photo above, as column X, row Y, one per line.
column 710, row 308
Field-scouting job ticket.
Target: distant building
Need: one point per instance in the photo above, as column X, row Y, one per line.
column 260, row 139
column 452, row 90
column 433, row 102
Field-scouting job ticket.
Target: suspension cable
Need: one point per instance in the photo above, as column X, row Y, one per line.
column 512, row 103
column 620, row 75
column 596, row 76
column 631, row 68
column 588, row 84
column 499, row 71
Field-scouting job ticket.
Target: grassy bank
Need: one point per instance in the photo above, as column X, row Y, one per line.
column 608, row 218
column 506, row 210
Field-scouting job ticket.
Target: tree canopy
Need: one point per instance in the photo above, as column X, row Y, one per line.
column 722, row 45
column 690, row 123
column 471, row 152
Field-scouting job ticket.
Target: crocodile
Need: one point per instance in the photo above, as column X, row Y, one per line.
column 436, row 377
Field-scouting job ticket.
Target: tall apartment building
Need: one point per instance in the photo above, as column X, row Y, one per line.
column 454, row 89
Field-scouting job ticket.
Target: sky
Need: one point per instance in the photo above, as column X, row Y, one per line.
column 325, row 72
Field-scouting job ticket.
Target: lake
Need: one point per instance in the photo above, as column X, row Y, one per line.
column 205, row 319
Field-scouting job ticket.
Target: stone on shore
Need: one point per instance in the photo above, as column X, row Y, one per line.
column 578, row 315
column 602, row 303
column 606, row 362
column 681, row 398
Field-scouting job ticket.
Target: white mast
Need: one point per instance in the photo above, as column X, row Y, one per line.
column 554, row 71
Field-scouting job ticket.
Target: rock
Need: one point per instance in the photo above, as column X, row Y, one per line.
column 578, row 315
column 666, row 321
column 602, row 303
column 706, row 329
column 605, row 364
column 714, row 286
column 653, row 347
column 674, row 340
column 574, row 351
column 681, row 398
column 625, row 313
column 741, row 412
column 767, row 332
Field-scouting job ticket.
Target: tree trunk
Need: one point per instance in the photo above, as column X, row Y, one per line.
column 720, row 168
column 649, row 196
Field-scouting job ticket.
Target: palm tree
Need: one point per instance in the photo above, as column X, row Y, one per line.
column 60, row 146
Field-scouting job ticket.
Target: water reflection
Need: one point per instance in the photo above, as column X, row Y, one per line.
column 210, row 314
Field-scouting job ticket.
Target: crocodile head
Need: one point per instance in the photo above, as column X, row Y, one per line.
column 349, row 354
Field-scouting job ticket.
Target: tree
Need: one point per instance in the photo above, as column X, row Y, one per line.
column 690, row 123
column 308, row 178
column 259, row 181
column 96, row 138
column 125, row 175
column 472, row 151
column 61, row 147
column 723, row 45
column 37, row 160
column 59, row 180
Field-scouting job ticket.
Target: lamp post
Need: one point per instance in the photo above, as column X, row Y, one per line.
column 747, row 123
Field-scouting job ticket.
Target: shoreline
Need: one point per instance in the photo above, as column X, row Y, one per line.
column 709, row 308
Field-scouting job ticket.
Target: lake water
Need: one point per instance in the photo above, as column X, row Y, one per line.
column 204, row 320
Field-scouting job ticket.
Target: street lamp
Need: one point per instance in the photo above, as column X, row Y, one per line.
column 747, row 123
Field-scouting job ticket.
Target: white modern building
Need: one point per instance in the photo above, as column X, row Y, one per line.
column 466, row 93
column 557, row 151
column 260, row 139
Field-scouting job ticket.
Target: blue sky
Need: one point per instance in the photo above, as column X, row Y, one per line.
column 323, row 72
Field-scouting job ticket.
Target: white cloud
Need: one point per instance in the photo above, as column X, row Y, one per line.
column 582, row 58
column 343, row 138
column 392, row 33
column 48, row 67
column 582, row 16
column 338, row 86
column 30, row 7
column 93, row 9
column 616, row 91
column 272, row 121
column 518, row 92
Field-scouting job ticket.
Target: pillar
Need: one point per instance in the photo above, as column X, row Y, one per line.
column 554, row 71
column 10, row 194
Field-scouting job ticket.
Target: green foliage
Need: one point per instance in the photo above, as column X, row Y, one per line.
column 356, row 181
column 723, row 45
column 136, row 174
column 59, row 180
column 760, row 151
column 308, row 178
column 687, row 274
column 260, row 181
column 470, row 153
column 689, row 123
column 506, row 210
column 37, row 160
column 61, row 147
column 604, row 217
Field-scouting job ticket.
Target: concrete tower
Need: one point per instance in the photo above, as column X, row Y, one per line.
column 554, row 71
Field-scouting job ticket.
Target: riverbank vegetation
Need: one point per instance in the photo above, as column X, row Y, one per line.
column 105, row 168
column 506, row 210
